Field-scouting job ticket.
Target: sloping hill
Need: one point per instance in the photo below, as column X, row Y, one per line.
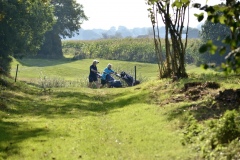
column 149, row 121
column 72, row 123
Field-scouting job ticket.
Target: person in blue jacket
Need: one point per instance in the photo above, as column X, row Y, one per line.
column 105, row 76
column 93, row 74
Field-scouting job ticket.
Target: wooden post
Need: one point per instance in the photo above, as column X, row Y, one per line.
column 16, row 73
column 135, row 71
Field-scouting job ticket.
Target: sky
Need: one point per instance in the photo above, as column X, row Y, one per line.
column 104, row 14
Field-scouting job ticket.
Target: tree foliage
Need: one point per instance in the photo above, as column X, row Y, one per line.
column 174, row 64
column 22, row 27
column 70, row 16
column 231, row 18
column 215, row 32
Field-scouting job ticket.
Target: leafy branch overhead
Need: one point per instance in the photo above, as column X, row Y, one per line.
column 227, row 14
column 22, row 27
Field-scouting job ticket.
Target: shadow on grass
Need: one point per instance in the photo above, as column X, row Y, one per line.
column 38, row 62
column 57, row 104
column 11, row 134
column 71, row 104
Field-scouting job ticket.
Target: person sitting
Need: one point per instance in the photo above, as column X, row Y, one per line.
column 106, row 75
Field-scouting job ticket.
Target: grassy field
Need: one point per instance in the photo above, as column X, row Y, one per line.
column 34, row 69
column 66, row 70
column 76, row 69
column 83, row 123
column 75, row 123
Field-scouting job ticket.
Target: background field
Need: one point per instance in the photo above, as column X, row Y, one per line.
column 32, row 70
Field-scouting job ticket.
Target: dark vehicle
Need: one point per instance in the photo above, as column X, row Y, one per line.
column 113, row 83
column 128, row 79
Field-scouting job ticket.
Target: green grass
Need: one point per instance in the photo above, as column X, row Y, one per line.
column 30, row 69
column 76, row 73
column 82, row 123
column 74, row 123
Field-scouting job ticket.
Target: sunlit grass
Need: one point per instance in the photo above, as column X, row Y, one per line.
column 81, row 123
column 32, row 70
column 72, row 123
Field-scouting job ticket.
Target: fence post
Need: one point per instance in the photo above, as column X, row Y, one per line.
column 16, row 73
column 135, row 71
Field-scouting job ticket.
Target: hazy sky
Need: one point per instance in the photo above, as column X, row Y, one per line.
column 130, row 13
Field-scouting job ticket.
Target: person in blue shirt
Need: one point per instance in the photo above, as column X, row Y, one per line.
column 93, row 74
column 105, row 76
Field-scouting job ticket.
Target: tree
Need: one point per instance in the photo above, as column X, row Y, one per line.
column 174, row 63
column 22, row 27
column 231, row 18
column 70, row 16
column 215, row 32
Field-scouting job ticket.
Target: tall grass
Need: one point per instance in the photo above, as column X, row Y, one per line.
column 57, row 82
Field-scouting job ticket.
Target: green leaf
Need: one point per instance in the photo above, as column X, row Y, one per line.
column 177, row 4
column 186, row 1
column 227, row 40
column 203, row 48
column 222, row 19
column 210, row 9
column 204, row 66
column 209, row 43
column 213, row 49
column 222, row 50
column 196, row 5
column 210, row 17
column 199, row 16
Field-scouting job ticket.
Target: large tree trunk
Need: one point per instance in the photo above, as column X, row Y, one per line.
column 5, row 63
column 52, row 46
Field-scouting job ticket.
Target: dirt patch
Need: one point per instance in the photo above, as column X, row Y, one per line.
column 229, row 98
column 214, row 107
column 194, row 91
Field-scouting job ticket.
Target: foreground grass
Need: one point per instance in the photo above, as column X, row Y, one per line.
column 83, row 123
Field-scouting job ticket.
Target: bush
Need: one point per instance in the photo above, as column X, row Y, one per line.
column 219, row 139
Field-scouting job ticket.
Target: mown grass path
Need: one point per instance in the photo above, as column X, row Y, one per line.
column 80, row 123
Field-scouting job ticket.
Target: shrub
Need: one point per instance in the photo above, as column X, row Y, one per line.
column 219, row 139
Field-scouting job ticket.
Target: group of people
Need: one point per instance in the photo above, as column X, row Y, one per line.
column 93, row 76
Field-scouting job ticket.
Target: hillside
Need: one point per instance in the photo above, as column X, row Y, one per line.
column 158, row 119
column 72, row 123
column 123, row 32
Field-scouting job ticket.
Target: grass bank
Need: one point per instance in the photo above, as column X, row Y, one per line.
column 142, row 122
column 75, row 123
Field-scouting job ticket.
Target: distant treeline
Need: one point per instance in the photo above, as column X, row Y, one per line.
column 128, row 49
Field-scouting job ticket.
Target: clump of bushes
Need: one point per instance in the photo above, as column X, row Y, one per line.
column 215, row 139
